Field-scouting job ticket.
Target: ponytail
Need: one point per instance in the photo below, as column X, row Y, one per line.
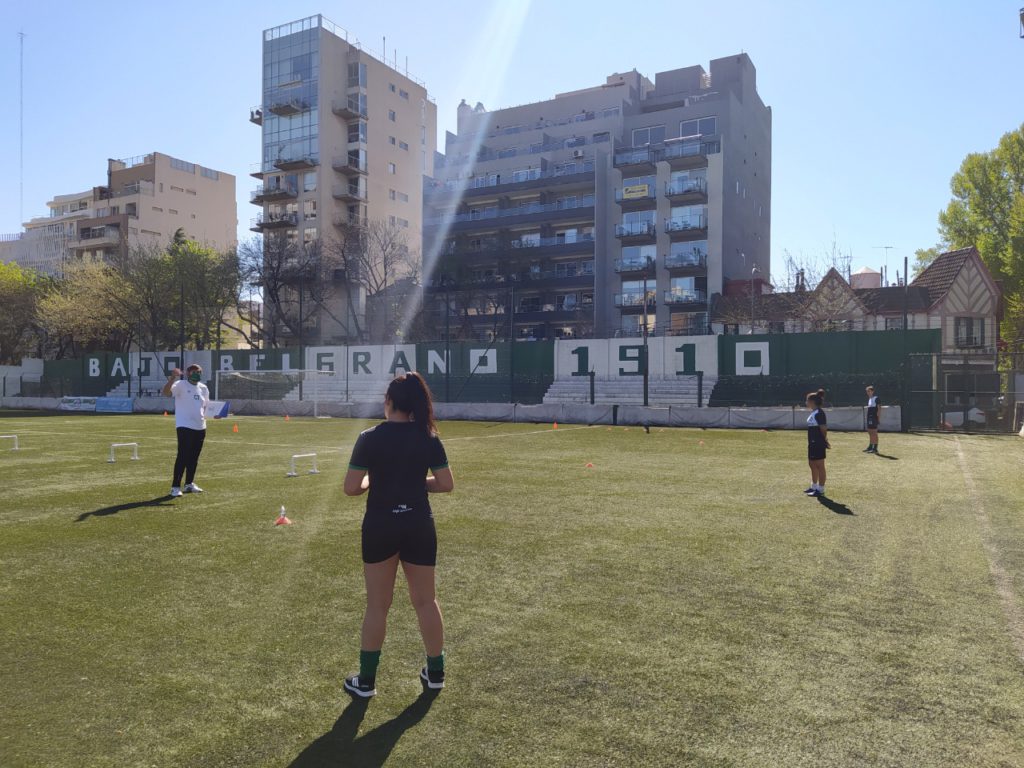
column 818, row 398
column 410, row 394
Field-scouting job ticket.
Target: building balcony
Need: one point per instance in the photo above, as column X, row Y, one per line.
column 691, row 190
column 287, row 107
column 687, row 263
column 554, row 246
column 625, row 266
column 97, row 237
column 641, row 158
column 636, row 196
column 349, row 109
column 694, row 300
column 295, row 163
column 263, row 194
column 539, row 213
column 639, row 230
column 635, row 300
column 352, row 164
column 348, row 221
column 569, row 175
column 274, row 221
column 685, row 227
column 256, row 171
column 688, row 153
column 349, row 193
column 549, row 313
column 256, row 115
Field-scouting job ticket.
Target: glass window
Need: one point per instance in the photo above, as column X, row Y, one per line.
column 357, row 132
column 392, row 140
column 639, row 254
column 704, row 126
column 391, row 87
column 403, row 94
column 309, row 181
column 654, row 134
column 391, row 115
column 309, row 209
column 356, row 75
column 308, row 235
column 638, row 218
column 403, row 145
column 392, row 169
column 392, row 194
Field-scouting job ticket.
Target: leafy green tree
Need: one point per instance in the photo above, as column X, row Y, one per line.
column 987, row 211
column 20, row 291
column 77, row 313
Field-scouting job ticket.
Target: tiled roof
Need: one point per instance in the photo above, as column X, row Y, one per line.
column 940, row 274
column 883, row 301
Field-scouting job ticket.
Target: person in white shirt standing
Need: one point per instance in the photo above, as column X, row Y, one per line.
column 191, row 397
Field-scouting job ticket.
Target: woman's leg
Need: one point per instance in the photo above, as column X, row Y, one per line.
column 380, row 589
column 821, row 473
column 814, row 471
column 179, row 460
column 873, row 436
column 198, row 438
column 424, row 600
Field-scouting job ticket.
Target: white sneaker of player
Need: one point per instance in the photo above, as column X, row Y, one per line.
column 193, row 488
column 175, row 492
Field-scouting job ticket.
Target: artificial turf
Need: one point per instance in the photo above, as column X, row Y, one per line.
column 680, row 603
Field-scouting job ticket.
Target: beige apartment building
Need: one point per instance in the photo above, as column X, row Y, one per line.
column 346, row 141
column 144, row 201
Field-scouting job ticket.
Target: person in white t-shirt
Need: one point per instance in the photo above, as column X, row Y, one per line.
column 191, row 397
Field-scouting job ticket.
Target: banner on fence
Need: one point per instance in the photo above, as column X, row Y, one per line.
column 114, row 404
column 77, row 404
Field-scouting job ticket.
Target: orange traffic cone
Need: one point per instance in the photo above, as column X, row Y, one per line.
column 287, row 417
column 555, row 425
column 282, row 519
column 235, row 429
column 165, row 413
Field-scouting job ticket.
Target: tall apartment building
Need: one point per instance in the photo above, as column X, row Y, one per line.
column 346, row 141
column 604, row 209
column 144, row 201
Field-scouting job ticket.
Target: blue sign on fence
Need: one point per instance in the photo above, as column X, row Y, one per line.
column 114, row 404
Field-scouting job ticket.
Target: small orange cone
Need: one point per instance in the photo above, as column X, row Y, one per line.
column 235, row 429
column 165, row 413
column 700, row 442
column 589, row 465
column 555, row 425
column 287, row 417
column 282, row 518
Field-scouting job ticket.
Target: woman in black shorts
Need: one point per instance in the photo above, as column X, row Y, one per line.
column 817, row 442
column 872, row 421
column 391, row 462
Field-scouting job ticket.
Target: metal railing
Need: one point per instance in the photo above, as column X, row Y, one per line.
column 685, row 223
column 691, row 186
column 96, row 233
column 496, row 180
column 347, row 191
column 276, row 219
column 586, row 201
column 635, row 299
column 636, row 229
column 548, row 242
column 349, row 106
column 676, row 296
column 630, row 265
column 683, row 260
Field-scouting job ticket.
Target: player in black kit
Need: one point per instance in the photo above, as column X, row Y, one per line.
column 817, row 442
column 391, row 461
column 872, row 421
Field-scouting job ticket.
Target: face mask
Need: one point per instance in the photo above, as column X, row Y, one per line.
column 195, row 377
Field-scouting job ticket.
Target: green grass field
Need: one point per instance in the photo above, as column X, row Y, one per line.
column 678, row 604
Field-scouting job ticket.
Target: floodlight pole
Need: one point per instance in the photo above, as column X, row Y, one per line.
column 647, row 370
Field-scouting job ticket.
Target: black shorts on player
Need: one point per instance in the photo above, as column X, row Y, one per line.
column 412, row 537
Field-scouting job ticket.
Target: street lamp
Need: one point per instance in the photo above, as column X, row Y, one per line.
column 753, row 273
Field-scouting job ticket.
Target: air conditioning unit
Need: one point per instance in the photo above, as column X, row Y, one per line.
column 577, row 154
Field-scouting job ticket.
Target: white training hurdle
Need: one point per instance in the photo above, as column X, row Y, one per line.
column 133, row 446
column 11, row 437
column 313, row 471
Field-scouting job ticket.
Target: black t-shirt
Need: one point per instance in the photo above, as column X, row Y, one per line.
column 814, row 423
column 873, row 407
column 397, row 455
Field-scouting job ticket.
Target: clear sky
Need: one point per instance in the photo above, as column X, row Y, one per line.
column 875, row 103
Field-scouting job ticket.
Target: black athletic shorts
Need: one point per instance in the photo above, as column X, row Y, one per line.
column 412, row 537
column 872, row 422
column 815, row 452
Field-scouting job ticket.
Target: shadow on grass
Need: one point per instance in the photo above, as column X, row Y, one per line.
column 340, row 747
column 834, row 506
column 159, row 501
column 886, row 456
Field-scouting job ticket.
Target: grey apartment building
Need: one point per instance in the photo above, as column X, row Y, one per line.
column 346, row 141
column 604, row 210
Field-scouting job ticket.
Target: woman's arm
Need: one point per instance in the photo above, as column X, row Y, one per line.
column 824, row 434
column 441, row 481
column 357, row 482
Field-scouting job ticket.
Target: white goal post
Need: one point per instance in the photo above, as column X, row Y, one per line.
column 295, row 384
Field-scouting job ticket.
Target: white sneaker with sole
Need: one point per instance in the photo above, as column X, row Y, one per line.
column 193, row 488
column 175, row 492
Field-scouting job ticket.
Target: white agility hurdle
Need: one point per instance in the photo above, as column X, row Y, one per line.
column 11, row 437
column 133, row 446
column 313, row 471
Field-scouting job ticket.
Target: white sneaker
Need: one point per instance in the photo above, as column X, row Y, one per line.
column 193, row 488
column 175, row 492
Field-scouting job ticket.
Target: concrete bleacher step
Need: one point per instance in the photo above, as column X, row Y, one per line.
column 660, row 391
